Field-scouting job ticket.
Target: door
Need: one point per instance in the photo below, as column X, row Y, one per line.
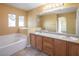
column 39, row 42
column 32, row 40
column 60, row 47
column 78, row 50
column 72, row 49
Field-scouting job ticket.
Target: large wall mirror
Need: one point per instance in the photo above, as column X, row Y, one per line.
column 63, row 20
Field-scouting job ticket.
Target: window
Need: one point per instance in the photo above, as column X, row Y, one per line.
column 62, row 25
column 21, row 20
column 11, row 20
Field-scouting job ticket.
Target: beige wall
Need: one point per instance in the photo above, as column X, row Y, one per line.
column 4, row 11
column 71, row 4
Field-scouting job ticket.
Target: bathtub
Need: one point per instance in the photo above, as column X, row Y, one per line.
column 12, row 43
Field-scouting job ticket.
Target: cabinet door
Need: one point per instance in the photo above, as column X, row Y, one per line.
column 39, row 42
column 48, row 45
column 60, row 47
column 72, row 49
column 32, row 40
column 78, row 50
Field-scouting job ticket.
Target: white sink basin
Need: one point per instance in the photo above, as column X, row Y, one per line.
column 73, row 38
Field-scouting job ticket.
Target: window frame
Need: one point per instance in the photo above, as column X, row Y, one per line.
column 9, row 23
column 21, row 20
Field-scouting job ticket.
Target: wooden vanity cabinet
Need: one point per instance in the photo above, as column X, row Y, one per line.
column 59, row 47
column 33, row 40
column 39, row 42
column 53, row 46
column 48, row 46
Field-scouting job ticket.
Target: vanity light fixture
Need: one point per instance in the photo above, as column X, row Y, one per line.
column 53, row 5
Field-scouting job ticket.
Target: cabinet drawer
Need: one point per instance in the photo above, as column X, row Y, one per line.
column 47, row 45
column 48, row 40
column 48, row 50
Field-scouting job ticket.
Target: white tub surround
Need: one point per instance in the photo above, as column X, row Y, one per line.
column 12, row 43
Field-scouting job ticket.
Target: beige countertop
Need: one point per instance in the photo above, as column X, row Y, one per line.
column 57, row 36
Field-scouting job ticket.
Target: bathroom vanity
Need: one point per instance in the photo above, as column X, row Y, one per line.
column 55, row 45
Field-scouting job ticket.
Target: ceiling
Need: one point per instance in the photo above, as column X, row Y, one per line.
column 65, row 10
column 59, row 10
column 25, row 6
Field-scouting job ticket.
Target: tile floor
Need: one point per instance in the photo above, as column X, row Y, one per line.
column 29, row 52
